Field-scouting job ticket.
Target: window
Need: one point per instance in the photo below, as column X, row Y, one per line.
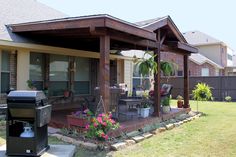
column 82, row 76
column 205, row 72
column 58, row 74
column 179, row 73
column 5, row 72
column 230, row 57
column 36, row 69
column 139, row 80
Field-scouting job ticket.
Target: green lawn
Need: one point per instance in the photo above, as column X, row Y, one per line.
column 211, row 135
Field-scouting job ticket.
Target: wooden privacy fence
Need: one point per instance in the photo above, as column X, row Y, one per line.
column 222, row 86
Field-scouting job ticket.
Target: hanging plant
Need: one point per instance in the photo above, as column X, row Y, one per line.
column 202, row 92
column 147, row 66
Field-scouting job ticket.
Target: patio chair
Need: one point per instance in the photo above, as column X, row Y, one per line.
column 166, row 90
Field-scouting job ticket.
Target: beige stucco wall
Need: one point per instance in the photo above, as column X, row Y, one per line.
column 128, row 74
column 23, row 63
column 212, row 52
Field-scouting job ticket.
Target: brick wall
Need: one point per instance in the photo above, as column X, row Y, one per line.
column 195, row 69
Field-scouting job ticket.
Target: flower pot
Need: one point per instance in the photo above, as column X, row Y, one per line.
column 76, row 121
column 66, row 94
column 165, row 109
column 180, row 104
column 144, row 112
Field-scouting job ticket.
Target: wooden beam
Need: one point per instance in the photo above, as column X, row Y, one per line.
column 186, row 82
column 105, row 71
column 182, row 46
column 157, row 78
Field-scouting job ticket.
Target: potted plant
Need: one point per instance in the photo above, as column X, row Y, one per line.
column 180, row 102
column 144, row 110
column 30, row 84
column 166, row 105
column 100, row 127
column 79, row 118
column 202, row 92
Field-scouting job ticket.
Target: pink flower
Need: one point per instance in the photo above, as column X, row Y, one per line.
column 104, row 123
column 99, row 119
column 101, row 115
column 95, row 125
column 87, row 127
column 112, row 121
column 106, row 137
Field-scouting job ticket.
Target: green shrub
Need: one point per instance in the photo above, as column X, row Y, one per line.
column 202, row 92
column 228, row 98
column 166, row 101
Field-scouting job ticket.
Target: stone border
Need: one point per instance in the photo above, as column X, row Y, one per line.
column 139, row 138
column 168, row 125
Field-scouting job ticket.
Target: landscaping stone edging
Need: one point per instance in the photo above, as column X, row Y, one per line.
column 139, row 138
column 133, row 140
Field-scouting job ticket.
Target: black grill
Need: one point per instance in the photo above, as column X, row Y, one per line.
column 27, row 109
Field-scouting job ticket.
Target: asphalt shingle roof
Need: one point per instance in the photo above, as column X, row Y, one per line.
column 200, row 59
column 20, row 11
column 199, row 38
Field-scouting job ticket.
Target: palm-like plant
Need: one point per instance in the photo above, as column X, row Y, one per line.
column 147, row 66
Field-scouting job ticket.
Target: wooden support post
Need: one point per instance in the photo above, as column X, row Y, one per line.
column 186, row 82
column 105, row 71
column 157, row 78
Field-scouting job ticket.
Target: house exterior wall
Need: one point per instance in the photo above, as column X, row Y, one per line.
column 195, row 69
column 230, row 62
column 23, row 63
column 215, row 52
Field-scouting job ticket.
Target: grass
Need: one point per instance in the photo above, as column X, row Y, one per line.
column 211, row 135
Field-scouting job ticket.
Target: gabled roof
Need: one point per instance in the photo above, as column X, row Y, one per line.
column 156, row 23
column 200, row 38
column 200, row 59
column 19, row 11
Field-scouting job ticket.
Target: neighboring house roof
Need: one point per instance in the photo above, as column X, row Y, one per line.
column 200, row 59
column 19, row 11
column 200, row 38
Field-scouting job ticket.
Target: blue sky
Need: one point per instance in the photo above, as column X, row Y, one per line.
column 214, row 17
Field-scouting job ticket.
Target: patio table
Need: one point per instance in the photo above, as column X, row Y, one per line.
column 130, row 107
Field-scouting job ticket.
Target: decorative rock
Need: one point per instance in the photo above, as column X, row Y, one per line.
column 185, row 121
column 58, row 136
column 118, row 146
column 177, row 124
column 78, row 143
column 162, row 129
column 138, row 138
column 67, row 139
column 170, row 126
column 89, row 146
column 154, row 132
column 147, row 135
column 129, row 142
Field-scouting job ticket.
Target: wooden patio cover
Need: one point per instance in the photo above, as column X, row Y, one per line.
column 102, row 33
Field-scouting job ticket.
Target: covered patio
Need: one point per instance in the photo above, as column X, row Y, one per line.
column 100, row 35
